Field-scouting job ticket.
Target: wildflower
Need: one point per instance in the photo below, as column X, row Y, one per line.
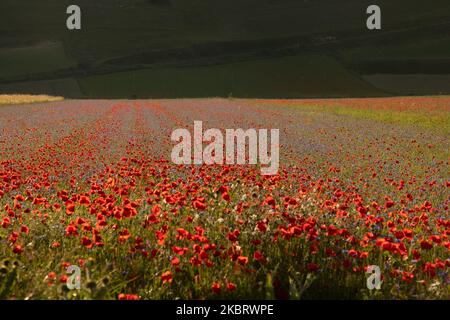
column 216, row 287
column 123, row 296
column 167, row 277
column 17, row 249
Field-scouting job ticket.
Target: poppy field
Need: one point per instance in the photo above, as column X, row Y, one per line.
column 90, row 183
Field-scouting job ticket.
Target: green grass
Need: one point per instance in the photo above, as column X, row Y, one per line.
column 296, row 76
column 437, row 120
column 410, row 84
column 44, row 57
column 419, row 48
column 61, row 87
column 426, row 120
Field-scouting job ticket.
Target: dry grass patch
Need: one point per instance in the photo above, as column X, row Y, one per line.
column 24, row 98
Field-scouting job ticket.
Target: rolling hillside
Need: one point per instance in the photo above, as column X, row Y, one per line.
column 199, row 38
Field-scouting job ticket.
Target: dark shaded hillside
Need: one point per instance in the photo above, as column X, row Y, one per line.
column 121, row 36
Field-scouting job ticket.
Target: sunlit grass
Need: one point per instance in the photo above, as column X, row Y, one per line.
column 8, row 99
column 436, row 120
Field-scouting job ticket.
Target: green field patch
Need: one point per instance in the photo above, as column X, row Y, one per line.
column 67, row 88
column 421, row 48
column 407, row 84
column 436, row 120
column 291, row 77
column 44, row 57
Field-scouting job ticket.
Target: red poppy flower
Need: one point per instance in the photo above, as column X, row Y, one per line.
column 312, row 267
column 178, row 250
column 426, row 245
column 51, row 276
column 352, row 253
column 167, row 277
column 233, row 236
column 84, row 200
column 215, row 287
column 175, row 261
column 6, row 222
column 231, row 286
column 13, row 237
column 123, row 296
column 269, row 201
column 436, row 239
column 56, row 245
column 17, row 249
column 85, row 241
column 226, row 196
column 63, row 278
column 258, row 256
column 199, row 205
column 389, row 204
column 71, row 230
column 363, row 255
column 70, row 209
column 242, row 260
